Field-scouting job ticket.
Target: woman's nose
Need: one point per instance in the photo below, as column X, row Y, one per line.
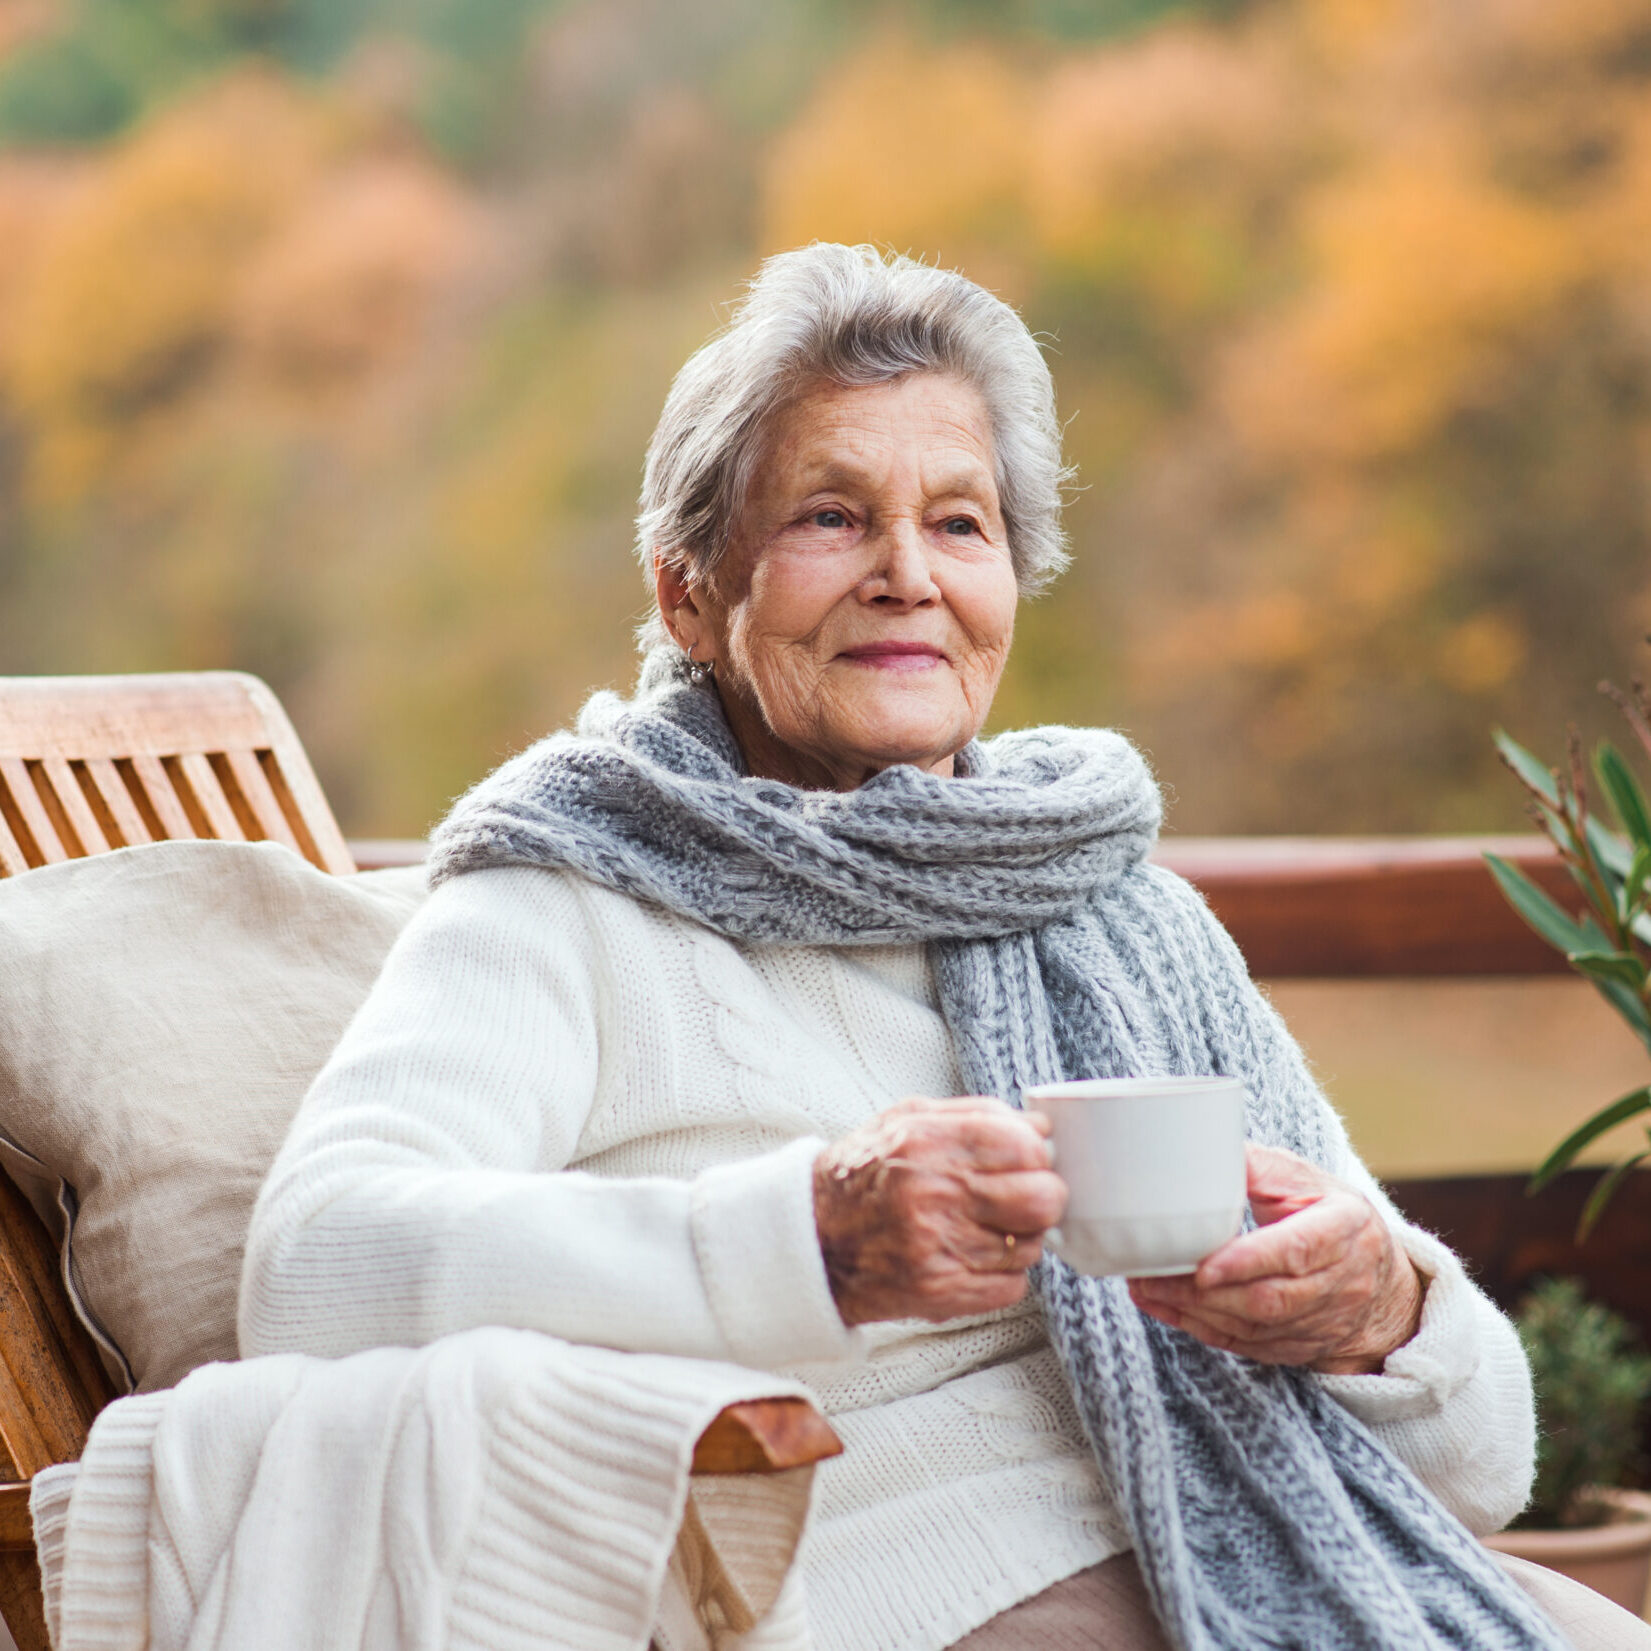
column 900, row 572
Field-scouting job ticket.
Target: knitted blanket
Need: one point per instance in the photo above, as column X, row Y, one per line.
column 1263, row 1514
column 495, row 1490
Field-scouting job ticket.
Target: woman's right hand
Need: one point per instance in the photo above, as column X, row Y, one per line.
column 935, row 1209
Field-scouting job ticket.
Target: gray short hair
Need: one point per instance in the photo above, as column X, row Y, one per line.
column 850, row 316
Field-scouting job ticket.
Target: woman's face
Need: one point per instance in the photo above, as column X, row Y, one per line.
column 864, row 611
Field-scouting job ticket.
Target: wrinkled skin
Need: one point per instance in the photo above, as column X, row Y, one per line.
column 863, row 611
column 1321, row 1281
column 914, row 1207
column 861, row 617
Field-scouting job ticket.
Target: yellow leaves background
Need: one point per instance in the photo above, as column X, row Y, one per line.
column 336, row 361
column 908, row 142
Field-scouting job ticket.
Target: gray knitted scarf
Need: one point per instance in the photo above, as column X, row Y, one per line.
column 1263, row 1514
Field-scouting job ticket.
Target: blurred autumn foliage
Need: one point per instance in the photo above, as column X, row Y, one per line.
column 332, row 331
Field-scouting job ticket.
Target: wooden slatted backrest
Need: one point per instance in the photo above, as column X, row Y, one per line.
column 89, row 764
column 94, row 763
column 52, row 1381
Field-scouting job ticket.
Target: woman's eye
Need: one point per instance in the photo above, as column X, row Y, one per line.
column 962, row 524
column 829, row 518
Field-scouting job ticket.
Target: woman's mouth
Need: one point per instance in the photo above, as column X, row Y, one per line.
column 895, row 656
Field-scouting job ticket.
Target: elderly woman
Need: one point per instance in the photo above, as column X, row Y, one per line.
column 707, row 1038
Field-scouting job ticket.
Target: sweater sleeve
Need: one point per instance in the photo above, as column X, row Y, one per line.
column 421, row 1189
column 1454, row 1404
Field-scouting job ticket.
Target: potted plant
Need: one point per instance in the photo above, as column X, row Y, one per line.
column 1592, row 1381
column 1608, row 941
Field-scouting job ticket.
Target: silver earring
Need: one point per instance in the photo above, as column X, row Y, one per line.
column 699, row 673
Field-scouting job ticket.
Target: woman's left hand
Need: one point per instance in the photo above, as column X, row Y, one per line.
column 1321, row 1281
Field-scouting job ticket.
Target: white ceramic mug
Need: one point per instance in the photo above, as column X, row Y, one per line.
column 1154, row 1168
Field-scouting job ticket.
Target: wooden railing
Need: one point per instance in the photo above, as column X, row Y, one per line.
column 1332, row 907
column 1344, row 908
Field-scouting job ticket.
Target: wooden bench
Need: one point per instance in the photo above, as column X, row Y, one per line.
column 89, row 764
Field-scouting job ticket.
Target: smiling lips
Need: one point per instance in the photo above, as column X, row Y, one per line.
column 896, row 656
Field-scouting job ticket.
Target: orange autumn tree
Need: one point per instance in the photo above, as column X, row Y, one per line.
column 330, row 340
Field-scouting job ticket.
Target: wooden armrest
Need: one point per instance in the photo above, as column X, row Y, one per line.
column 759, row 1436
column 765, row 1436
column 16, row 1528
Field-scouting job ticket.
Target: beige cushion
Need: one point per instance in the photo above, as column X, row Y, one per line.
column 162, row 1011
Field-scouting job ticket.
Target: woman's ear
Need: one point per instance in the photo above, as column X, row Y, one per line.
column 682, row 609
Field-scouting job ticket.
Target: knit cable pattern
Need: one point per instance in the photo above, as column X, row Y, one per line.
column 1263, row 1514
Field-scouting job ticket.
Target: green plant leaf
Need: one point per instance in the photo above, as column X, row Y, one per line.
column 1610, row 853
column 1591, row 1379
column 1617, row 780
column 1532, row 772
column 1553, row 823
column 1601, row 1195
column 1609, row 849
column 1633, row 884
column 1626, row 1001
column 1561, row 932
column 1624, row 1107
column 1589, row 920
column 1630, row 1006
column 1596, row 939
column 1622, row 967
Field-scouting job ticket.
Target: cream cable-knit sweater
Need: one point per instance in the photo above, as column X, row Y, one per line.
column 528, row 1022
